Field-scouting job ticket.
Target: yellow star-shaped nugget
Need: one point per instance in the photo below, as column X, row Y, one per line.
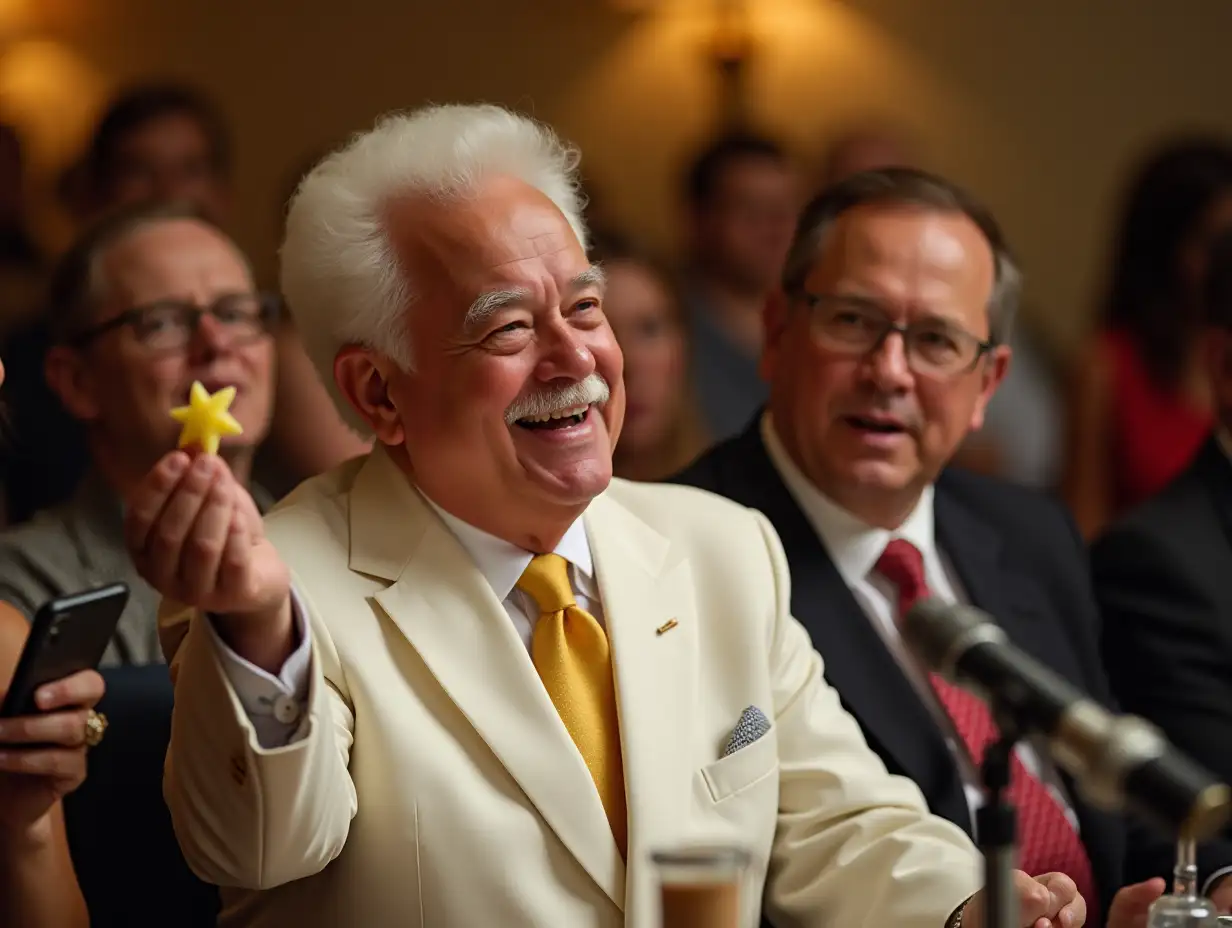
column 206, row 419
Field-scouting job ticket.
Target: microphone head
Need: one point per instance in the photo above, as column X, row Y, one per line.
column 939, row 633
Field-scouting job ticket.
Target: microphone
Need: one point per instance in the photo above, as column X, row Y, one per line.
column 1119, row 762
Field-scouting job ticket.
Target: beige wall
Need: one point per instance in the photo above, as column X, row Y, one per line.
column 1037, row 105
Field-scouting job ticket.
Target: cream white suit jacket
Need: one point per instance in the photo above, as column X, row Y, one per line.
column 437, row 786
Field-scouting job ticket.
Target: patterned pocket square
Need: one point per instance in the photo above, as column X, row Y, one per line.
column 752, row 725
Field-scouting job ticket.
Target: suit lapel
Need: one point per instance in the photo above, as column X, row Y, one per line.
column 447, row 611
column 973, row 549
column 858, row 664
column 1014, row 600
column 649, row 611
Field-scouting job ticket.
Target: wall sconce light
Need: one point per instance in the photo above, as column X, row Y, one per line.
column 731, row 47
column 729, row 44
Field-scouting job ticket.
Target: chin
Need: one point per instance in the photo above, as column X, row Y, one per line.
column 576, row 485
column 881, row 475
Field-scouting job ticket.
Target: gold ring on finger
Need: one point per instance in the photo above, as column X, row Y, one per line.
column 96, row 725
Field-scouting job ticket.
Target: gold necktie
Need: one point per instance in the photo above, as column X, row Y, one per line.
column 571, row 653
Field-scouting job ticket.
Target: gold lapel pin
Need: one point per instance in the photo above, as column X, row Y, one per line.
column 666, row 626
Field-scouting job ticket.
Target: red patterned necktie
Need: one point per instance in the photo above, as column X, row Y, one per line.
column 1047, row 841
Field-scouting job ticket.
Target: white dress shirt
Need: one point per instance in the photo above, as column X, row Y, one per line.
column 274, row 703
column 855, row 547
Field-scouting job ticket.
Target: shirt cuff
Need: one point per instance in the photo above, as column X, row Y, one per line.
column 1213, row 879
column 275, row 704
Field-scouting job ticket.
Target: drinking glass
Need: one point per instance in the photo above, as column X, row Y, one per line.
column 700, row 886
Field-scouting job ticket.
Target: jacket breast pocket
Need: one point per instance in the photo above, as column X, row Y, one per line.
column 736, row 772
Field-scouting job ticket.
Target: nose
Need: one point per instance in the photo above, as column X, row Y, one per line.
column 565, row 354
column 209, row 338
column 887, row 365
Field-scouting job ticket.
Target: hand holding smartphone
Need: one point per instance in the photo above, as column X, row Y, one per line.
column 68, row 635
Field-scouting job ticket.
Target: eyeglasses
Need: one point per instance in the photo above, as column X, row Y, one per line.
column 170, row 325
column 856, row 326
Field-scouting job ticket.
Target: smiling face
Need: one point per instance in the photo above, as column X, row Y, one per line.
column 515, row 400
column 866, row 429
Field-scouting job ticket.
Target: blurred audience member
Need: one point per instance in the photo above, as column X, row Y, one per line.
column 662, row 429
column 22, row 272
column 149, row 301
column 21, row 259
column 1162, row 573
column 168, row 143
column 153, row 143
column 742, row 196
column 157, row 143
column 307, row 435
column 1141, row 406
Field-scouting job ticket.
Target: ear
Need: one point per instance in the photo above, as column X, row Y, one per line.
column 362, row 377
column 775, row 316
column 70, row 380
column 992, row 371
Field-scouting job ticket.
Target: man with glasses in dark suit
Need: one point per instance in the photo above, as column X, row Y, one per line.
column 883, row 348
column 146, row 303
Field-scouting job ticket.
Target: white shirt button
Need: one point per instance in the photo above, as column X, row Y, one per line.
column 286, row 709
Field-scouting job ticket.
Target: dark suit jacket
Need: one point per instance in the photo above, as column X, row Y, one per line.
column 1018, row 557
column 1163, row 576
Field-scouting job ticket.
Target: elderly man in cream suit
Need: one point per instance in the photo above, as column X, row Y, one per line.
column 471, row 679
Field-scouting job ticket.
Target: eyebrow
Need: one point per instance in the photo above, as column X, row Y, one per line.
column 488, row 304
column 594, row 277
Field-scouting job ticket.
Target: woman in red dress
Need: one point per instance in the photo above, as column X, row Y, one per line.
column 1139, row 408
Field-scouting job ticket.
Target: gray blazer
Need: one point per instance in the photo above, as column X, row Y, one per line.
column 77, row 546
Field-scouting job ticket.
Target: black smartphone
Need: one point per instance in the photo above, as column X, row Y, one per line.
column 68, row 635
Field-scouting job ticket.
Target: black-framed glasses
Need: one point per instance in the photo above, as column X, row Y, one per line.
column 858, row 326
column 170, row 325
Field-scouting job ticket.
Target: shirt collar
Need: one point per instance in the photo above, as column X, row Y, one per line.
column 853, row 545
column 502, row 563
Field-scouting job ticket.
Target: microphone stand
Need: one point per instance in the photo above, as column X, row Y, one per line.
column 996, row 824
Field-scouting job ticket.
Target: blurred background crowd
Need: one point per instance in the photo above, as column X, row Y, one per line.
column 1097, row 136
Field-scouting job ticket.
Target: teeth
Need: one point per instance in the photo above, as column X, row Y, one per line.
column 563, row 414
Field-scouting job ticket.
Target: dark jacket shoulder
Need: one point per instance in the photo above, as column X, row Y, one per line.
column 1024, row 517
column 1186, row 502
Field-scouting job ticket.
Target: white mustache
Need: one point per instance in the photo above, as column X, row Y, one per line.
column 593, row 391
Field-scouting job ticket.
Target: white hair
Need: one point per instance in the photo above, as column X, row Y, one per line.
column 341, row 277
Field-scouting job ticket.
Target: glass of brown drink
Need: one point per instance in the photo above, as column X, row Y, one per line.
column 700, row 886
